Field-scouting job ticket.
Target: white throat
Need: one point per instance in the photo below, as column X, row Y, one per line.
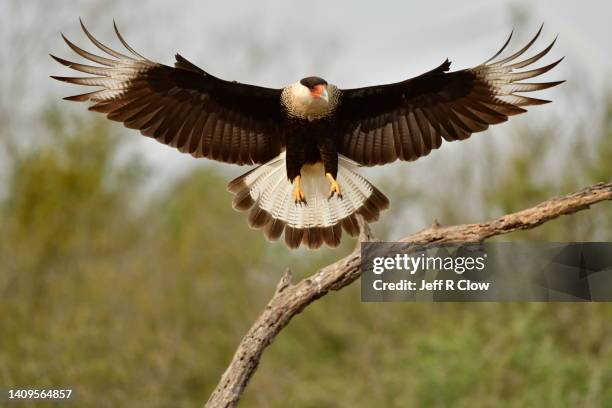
column 300, row 103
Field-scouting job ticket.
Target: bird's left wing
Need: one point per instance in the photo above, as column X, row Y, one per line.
column 406, row 120
column 182, row 106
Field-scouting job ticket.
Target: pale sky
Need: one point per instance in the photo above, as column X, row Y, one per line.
column 273, row 43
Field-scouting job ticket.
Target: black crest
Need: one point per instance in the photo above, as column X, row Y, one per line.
column 311, row 82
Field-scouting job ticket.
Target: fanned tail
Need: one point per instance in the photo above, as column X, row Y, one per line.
column 266, row 191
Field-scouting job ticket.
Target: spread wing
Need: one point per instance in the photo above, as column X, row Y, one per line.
column 406, row 120
column 184, row 106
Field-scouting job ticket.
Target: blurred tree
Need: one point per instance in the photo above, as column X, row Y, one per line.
column 142, row 299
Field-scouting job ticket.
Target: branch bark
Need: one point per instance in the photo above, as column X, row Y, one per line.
column 290, row 299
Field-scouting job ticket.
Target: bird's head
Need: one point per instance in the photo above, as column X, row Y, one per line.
column 310, row 98
column 317, row 87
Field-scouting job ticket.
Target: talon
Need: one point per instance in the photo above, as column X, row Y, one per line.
column 334, row 186
column 299, row 197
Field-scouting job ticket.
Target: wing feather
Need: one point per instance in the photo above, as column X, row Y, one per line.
column 101, row 46
column 437, row 105
column 182, row 106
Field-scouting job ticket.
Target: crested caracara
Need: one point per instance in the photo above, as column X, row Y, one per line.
column 309, row 137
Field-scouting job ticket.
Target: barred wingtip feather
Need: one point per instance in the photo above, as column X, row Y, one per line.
column 535, row 58
column 80, row 98
column 182, row 107
column 101, row 46
column 439, row 105
column 85, row 54
column 125, row 44
column 522, row 50
column 503, row 47
column 60, row 60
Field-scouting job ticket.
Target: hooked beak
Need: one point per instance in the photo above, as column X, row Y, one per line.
column 320, row 91
column 325, row 95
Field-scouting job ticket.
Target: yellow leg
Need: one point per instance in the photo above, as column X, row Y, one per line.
column 298, row 194
column 334, row 186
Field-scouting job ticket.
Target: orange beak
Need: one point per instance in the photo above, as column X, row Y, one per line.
column 319, row 91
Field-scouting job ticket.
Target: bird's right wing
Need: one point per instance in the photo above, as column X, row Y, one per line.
column 182, row 106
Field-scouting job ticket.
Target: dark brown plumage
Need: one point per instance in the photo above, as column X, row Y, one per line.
column 184, row 106
column 307, row 134
column 407, row 120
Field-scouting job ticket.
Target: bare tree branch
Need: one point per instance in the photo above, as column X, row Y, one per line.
column 290, row 299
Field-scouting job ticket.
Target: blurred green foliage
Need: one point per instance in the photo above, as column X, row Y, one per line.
column 139, row 300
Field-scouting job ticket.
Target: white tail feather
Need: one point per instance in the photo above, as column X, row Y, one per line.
column 269, row 192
